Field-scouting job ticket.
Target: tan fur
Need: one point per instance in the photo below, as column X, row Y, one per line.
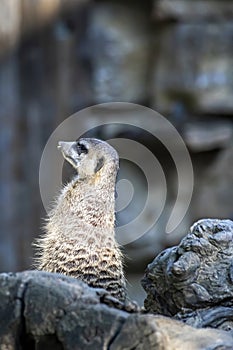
column 80, row 238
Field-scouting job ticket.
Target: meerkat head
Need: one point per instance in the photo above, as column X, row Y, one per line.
column 89, row 155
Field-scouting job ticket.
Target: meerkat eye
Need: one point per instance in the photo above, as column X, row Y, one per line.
column 81, row 148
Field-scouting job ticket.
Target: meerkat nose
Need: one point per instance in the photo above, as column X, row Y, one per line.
column 61, row 144
column 64, row 146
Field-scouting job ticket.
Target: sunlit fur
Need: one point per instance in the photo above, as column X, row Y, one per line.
column 79, row 238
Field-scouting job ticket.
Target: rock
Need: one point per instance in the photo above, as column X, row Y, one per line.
column 43, row 13
column 194, row 68
column 11, row 188
column 195, row 276
column 119, row 44
column 51, row 311
column 214, row 192
column 215, row 317
column 19, row 17
column 160, row 333
column 56, row 307
column 184, row 10
column 206, row 136
column 10, row 21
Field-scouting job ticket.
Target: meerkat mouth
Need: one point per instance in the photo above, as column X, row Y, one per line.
column 69, row 159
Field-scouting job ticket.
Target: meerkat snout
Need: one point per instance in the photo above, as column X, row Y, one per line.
column 72, row 152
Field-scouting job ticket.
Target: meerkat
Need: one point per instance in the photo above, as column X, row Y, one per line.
column 79, row 238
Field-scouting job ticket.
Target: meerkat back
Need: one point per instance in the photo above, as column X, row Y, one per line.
column 79, row 238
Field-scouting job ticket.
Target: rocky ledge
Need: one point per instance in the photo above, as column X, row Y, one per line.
column 191, row 282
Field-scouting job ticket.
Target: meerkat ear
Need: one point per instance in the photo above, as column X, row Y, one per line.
column 99, row 164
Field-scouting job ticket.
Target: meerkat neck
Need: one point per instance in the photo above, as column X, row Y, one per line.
column 88, row 203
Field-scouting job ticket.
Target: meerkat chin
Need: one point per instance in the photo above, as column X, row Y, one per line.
column 79, row 238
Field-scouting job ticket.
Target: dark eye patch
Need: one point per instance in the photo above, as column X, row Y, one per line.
column 81, row 148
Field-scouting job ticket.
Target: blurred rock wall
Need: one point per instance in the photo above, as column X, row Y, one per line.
column 57, row 57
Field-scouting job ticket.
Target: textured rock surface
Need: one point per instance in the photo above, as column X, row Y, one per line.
column 206, row 136
column 193, row 10
column 23, row 16
column 119, row 52
column 193, row 281
column 194, row 68
column 214, row 190
column 41, row 310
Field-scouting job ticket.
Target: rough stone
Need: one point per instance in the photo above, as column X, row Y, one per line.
column 206, row 136
column 184, row 10
column 193, row 281
column 50, row 311
column 10, row 21
column 119, row 40
column 19, row 17
column 214, row 192
column 193, row 68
